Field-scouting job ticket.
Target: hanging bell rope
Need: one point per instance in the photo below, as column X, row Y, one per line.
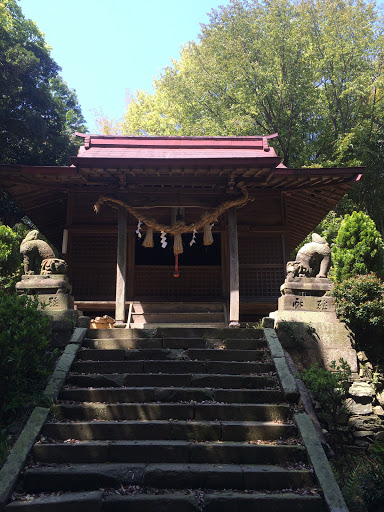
column 148, row 240
column 178, row 228
column 177, row 245
column 176, row 272
column 208, row 238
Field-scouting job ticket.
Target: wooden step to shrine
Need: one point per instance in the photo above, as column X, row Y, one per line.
column 170, row 420
column 150, row 315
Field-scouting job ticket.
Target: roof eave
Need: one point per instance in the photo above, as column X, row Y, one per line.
column 121, row 163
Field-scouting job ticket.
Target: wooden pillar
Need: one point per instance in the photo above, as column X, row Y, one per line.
column 131, row 265
column 121, row 269
column 234, row 296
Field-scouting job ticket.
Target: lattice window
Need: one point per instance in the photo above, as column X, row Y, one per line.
column 93, row 266
column 261, row 266
column 261, row 282
column 94, row 284
column 93, row 249
column 193, row 282
column 260, row 250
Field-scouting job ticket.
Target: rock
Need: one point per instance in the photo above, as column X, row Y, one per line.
column 84, row 321
column 359, row 408
column 368, row 422
column 361, row 356
column 268, row 322
column 363, row 433
column 361, row 443
column 361, row 389
column 380, row 398
column 379, row 436
column 378, row 410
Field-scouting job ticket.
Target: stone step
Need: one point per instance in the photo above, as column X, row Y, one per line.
column 171, row 366
column 78, row 477
column 187, row 500
column 174, row 379
column 88, row 354
column 122, row 343
column 121, row 334
column 168, row 451
column 171, row 332
column 74, row 501
column 153, row 411
column 227, row 355
column 181, row 325
column 206, row 343
column 174, row 307
column 232, row 501
column 173, row 430
column 176, row 394
column 173, row 343
column 176, row 317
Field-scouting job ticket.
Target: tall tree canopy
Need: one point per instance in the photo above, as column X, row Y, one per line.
column 38, row 112
column 311, row 70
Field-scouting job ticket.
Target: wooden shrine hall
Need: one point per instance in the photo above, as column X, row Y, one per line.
column 227, row 206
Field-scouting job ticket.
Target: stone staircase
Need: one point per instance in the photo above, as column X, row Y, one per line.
column 170, row 420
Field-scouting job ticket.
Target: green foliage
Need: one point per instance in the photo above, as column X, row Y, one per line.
column 248, row 74
column 38, row 112
column 358, row 247
column 25, row 360
column 10, row 260
column 329, row 387
column 361, row 480
column 286, row 329
column 10, row 213
column 360, row 304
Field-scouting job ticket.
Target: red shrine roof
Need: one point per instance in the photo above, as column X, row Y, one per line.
column 117, row 149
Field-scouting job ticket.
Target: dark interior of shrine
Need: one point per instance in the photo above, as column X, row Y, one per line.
column 196, row 254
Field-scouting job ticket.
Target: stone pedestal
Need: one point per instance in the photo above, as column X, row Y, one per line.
column 307, row 324
column 306, row 294
column 54, row 293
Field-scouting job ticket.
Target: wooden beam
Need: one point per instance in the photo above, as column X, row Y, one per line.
column 234, row 296
column 121, row 268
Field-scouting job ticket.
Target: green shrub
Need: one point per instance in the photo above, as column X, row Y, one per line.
column 10, row 259
column 25, row 360
column 361, row 480
column 329, row 387
column 360, row 304
column 358, row 248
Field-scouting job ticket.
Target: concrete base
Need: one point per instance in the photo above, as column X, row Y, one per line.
column 56, row 301
column 54, row 293
column 315, row 337
column 36, row 284
column 310, row 285
column 307, row 324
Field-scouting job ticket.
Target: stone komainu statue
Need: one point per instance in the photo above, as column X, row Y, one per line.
column 39, row 257
column 53, row 266
column 311, row 256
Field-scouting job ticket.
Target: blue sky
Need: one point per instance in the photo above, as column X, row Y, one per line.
column 105, row 47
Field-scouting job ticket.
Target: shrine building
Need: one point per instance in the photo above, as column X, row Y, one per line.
column 181, row 220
